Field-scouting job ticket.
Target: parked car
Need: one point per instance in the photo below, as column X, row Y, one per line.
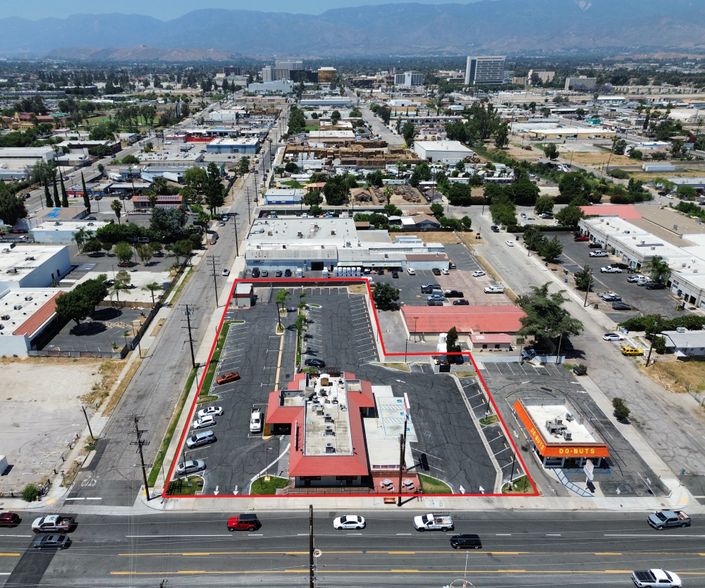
column 411, row 271
column 445, row 271
column 453, row 294
column 395, row 275
column 201, row 438
column 494, row 290
column 655, row 286
column 429, row 288
column 287, row 273
column 315, row 362
column 528, row 354
column 611, row 297
column 190, row 467
column 349, row 522
column 612, row 337
column 510, row 243
column 256, row 420
column 210, row 411
column 599, row 253
column 460, row 302
column 434, row 303
column 610, row 269
column 225, row 272
column 255, row 272
column 546, row 215
column 620, row 306
column 436, row 297
column 203, row 422
column 227, row 377
column 278, row 274
column 265, row 273
column 478, row 274
column 436, row 271
column 632, row 351
column 582, row 238
column 595, row 246
column 52, row 542
column 636, row 278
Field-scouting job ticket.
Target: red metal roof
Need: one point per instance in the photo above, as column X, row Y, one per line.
column 40, row 317
column 466, row 319
column 490, row 339
column 623, row 211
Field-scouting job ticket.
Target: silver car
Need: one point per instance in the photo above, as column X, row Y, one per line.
column 190, row 467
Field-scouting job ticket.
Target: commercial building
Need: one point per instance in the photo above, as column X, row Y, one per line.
column 331, row 244
column 442, row 151
column 432, row 321
column 62, row 231
column 290, row 64
column 143, row 203
column 333, row 101
column 231, row 70
column 32, row 266
column 408, row 79
column 581, row 84
column 560, row 435
column 16, row 162
column 326, row 75
column 245, row 145
column 484, row 70
column 24, row 316
column 540, row 75
column 685, row 344
column 284, row 195
column 278, row 87
column 274, row 74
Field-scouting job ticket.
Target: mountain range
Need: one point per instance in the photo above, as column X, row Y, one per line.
column 498, row 26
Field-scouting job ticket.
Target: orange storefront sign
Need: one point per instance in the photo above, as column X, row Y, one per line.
column 548, row 449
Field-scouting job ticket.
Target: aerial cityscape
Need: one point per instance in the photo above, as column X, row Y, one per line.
column 406, row 295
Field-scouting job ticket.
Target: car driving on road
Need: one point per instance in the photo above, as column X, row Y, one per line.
column 349, row 522
column 612, row 337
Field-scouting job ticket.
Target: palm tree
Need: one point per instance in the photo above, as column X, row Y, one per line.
column 152, row 288
column 281, row 297
column 81, row 236
column 658, row 269
column 117, row 208
column 117, row 286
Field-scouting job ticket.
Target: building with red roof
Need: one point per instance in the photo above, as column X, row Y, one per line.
column 323, row 414
column 432, row 320
column 25, row 316
column 623, row 211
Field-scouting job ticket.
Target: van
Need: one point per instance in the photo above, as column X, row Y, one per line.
column 200, row 438
column 466, row 541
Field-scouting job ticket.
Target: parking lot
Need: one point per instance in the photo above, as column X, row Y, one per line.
column 641, row 300
column 625, row 472
column 339, row 332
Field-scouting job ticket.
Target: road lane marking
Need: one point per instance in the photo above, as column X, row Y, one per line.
column 403, row 534
column 553, row 534
column 10, row 554
column 503, row 534
column 163, row 536
column 653, row 535
column 608, row 553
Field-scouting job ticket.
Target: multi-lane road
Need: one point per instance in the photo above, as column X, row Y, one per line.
column 520, row 549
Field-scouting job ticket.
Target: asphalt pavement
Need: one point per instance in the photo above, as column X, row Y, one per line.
column 519, row 550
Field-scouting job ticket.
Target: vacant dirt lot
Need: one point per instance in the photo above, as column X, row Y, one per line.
column 678, row 376
column 41, row 414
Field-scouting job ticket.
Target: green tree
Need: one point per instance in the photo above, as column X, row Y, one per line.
column 43, row 171
column 533, row 237
column 12, row 207
column 550, row 250
column 169, row 224
column 123, row 251
column 544, row 204
column 574, row 185
column 409, row 132
column 570, row 216
column 280, row 298
column 195, row 178
column 144, row 252
column 337, row 189
column 501, row 135
column 584, row 279
column 116, row 207
column 355, row 113
column 80, row 237
column 64, row 195
column 214, row 191
column 312, row 198
column 57, row 200
column 437, row 209
column 124, row 277
column 152, row 288
column 86, row 198
column 73, row 306
column 545, row 315
column 30, row 493
column 385, row 295
column 452, row 341
column 243, row 165
column 93, row 246
column 422, row 173
column 551, row 151
column 297, row 121
column 335, row 117
column 621, row 412
column 686, row 192
column 466, row 223
column 459, row 194
column 182, row 248
column 659, row 270
column 47, row 196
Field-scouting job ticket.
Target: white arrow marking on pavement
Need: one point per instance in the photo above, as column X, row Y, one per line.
column 216, row 490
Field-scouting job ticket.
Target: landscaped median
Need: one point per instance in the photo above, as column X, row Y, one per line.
column 267, row 485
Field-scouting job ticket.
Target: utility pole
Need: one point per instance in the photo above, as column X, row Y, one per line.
column 249, row 218
column 311, row 565
column 237, row 246
column 140, row 442
column 402, row 446
column 653, row 338
column 190, row 337
column 587, row 290
column 88, row 423
column 215, row 280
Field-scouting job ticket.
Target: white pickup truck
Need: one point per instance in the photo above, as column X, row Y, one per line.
column 434, row 522
column 255, row 420
column 656, row 578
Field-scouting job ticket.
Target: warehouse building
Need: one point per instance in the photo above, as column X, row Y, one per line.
column 24, row 316
column 450, row 152
column 245, row 145
column 63, row 231
column 33, row 266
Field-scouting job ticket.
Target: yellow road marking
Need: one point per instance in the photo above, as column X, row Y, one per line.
column 10, row 554
column 609, row 553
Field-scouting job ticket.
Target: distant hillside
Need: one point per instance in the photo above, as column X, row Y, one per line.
column 503, row 26
column 137, row 53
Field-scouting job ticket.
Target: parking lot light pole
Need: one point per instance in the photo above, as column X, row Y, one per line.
column 416, row 335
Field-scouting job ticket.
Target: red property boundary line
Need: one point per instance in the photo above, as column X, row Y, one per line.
column 293, row 282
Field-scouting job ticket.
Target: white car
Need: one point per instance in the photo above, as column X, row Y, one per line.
column 599, row 254
column 411, row 271
column 189, row 467
column 203, row 421
column 478, row 274
column 210, row 411
column 349, row 522
column 255, row 420
column 445, row 272
column 609, row 269
column 612, row 337
column 226, row 272
column 510, row 243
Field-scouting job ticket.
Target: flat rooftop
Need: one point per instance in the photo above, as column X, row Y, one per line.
column 69, row 225
column 550, row 419
column 18, row 262
column 25, row 311
column 298, row 230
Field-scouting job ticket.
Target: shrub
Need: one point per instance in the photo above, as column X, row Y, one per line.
column 30, row 493
column 620, row 174
column 620, row 409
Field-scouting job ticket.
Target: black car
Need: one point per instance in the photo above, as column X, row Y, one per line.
column 460, row 302
column 313, row 362
column 595, row 246
column 255, row 273
column 620, row 306
column 453, row 294
column 287, row 273
column 466, row 541
column 655, row 286
column 278, row 274
column 434, row 303
column 51, row 542
column 436, row 271
column 395, row 274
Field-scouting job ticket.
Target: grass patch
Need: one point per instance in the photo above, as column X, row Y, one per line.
column 466, row 374
column 177, row 293
column 71, row 473
column 309, row 128
column 207, row 398
column 678, row 376
column 109, row 371
column 280, row 329
column 293, row 184
column 262, row 487
column 402, row 367
column 490, row 420
column 213, row 366
column 159, row 459
column 115, row 398
column 520, row 485
column 313, row 305
column 185, row 487
column 431, row 485
column 158, row 327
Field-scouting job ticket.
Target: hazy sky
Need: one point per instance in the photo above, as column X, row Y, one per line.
column 168, row 9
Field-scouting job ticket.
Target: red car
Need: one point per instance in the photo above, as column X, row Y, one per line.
column 227, row 377
column 9, row 519
column 582, row 238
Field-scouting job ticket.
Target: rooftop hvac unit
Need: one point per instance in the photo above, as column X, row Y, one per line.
column 568, row 436
column 328, row 417
column 568, row 417
column 330, row 448
column 681, row 330
column 329, row 430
